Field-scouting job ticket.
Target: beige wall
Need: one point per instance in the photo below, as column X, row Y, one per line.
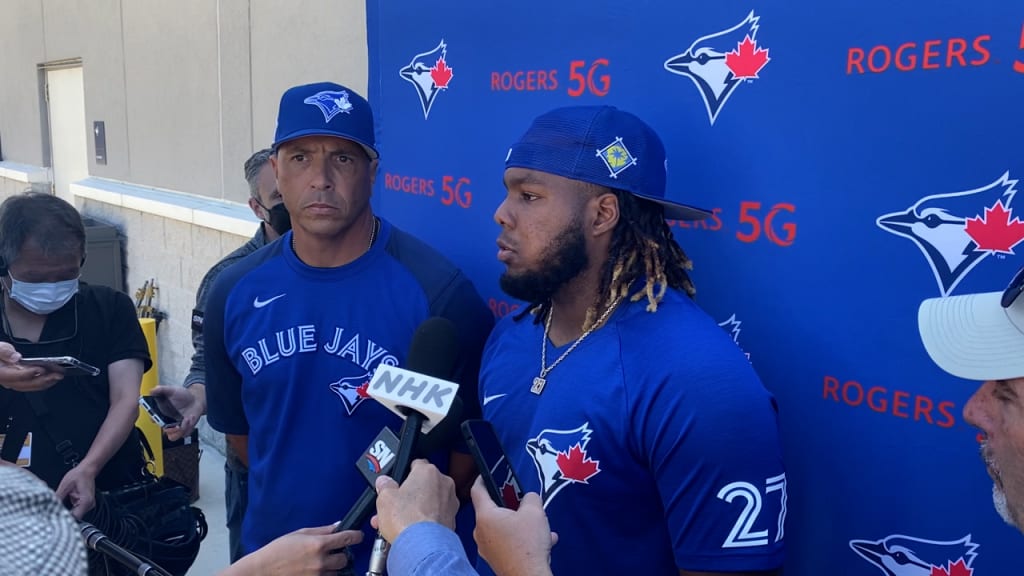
column 21, row 48
column 316, row 52
column 187, row 89
column 172, row 94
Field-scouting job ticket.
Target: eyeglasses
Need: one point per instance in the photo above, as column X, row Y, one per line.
column 1013, row 290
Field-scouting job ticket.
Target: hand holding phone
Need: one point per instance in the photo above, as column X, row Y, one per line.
column 491, row 461
column 160, row 410
column 66, row 365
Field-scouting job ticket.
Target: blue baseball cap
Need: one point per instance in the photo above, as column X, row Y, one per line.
column 601, row 145
column 325, row 109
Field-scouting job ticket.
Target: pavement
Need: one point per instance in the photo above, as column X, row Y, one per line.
column 213, row 552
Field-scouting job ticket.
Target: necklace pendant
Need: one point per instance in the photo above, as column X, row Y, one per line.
column 538, row 385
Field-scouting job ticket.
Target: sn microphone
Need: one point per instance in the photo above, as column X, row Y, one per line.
column 420, row 395
column 440, row 436
column 99, row 542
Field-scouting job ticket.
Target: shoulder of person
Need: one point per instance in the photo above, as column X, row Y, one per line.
column 232, row 269
column 679, row 333
column 102, row 296
column 407, row 249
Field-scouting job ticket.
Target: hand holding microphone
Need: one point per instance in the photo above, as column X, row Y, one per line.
column 425, row 496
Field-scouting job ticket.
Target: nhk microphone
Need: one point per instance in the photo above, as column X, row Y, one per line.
column 418, row 394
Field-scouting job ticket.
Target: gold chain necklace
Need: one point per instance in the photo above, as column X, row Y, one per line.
column 540, row 381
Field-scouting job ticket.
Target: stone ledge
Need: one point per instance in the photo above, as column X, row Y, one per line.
column 26, row 173
column 231, row 217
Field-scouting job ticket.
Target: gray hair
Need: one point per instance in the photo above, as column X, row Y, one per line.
column 49, row 221
column 253, row 165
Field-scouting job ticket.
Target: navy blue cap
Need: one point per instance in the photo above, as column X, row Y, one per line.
column 325, row 109
column 601, row 145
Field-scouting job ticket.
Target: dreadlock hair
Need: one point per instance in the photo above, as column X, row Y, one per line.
column 642, row 246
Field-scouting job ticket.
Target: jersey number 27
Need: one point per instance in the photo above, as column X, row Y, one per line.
column 742, row 534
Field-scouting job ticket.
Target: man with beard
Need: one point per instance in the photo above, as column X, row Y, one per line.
column 981, row 337
column 643, row 427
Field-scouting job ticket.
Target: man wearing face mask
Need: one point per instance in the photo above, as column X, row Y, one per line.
column 190, row 400
column 77, row 433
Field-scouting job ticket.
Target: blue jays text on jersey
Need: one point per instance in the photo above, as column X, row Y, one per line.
column 291, row 349
column 303, row 339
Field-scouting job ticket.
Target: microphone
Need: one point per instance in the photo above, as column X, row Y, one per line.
column 420, row 396
column 438, row 438
column 99, row 542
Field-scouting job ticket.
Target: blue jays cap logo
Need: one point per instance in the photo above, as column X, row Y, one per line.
column 561, row 459
column 616, row 157
column 352, row 391
column 899, row 555
column 957, row 230
column 718, row 62
column 429, row 74
column 330, row 102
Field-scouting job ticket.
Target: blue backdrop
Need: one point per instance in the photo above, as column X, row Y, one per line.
column 859, row 160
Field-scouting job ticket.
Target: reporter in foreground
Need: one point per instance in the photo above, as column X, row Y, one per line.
column 300, row 553
column 418, row 518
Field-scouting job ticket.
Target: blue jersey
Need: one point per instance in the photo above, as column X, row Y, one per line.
column 654, row 445
column 290, row 350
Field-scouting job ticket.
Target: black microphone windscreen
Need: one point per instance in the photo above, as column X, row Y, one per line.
column 442, row 435
column 434, row 348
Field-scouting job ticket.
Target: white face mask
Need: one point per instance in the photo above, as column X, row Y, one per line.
column 43, row 297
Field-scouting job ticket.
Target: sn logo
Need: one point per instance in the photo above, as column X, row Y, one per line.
column 380, row 456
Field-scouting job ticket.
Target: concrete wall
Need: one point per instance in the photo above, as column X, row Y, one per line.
column 21, row 48
column 187, row 91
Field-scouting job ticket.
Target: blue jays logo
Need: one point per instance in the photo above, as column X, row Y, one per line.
column 352, row 391
column 511, row 492
column 616, row 157
column 956, row 231
column 732, row 327
column 718, row 62
column 429, row 74
column 561, row 459
column 330, row 102
column 899, row 555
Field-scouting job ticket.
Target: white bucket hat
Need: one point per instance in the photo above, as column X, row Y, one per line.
column 977, row 336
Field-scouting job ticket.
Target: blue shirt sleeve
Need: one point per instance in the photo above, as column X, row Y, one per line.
column 715, row 449
column 428, row 549
column 223, row 382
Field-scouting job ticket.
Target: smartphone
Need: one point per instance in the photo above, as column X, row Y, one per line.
column 66, row 365
column 160, row 410
column 491, row 461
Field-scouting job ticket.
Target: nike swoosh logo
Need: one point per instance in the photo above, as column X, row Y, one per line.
column 257, row 303
column 489, row 399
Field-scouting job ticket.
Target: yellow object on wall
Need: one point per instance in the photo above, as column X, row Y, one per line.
column 149, row 381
